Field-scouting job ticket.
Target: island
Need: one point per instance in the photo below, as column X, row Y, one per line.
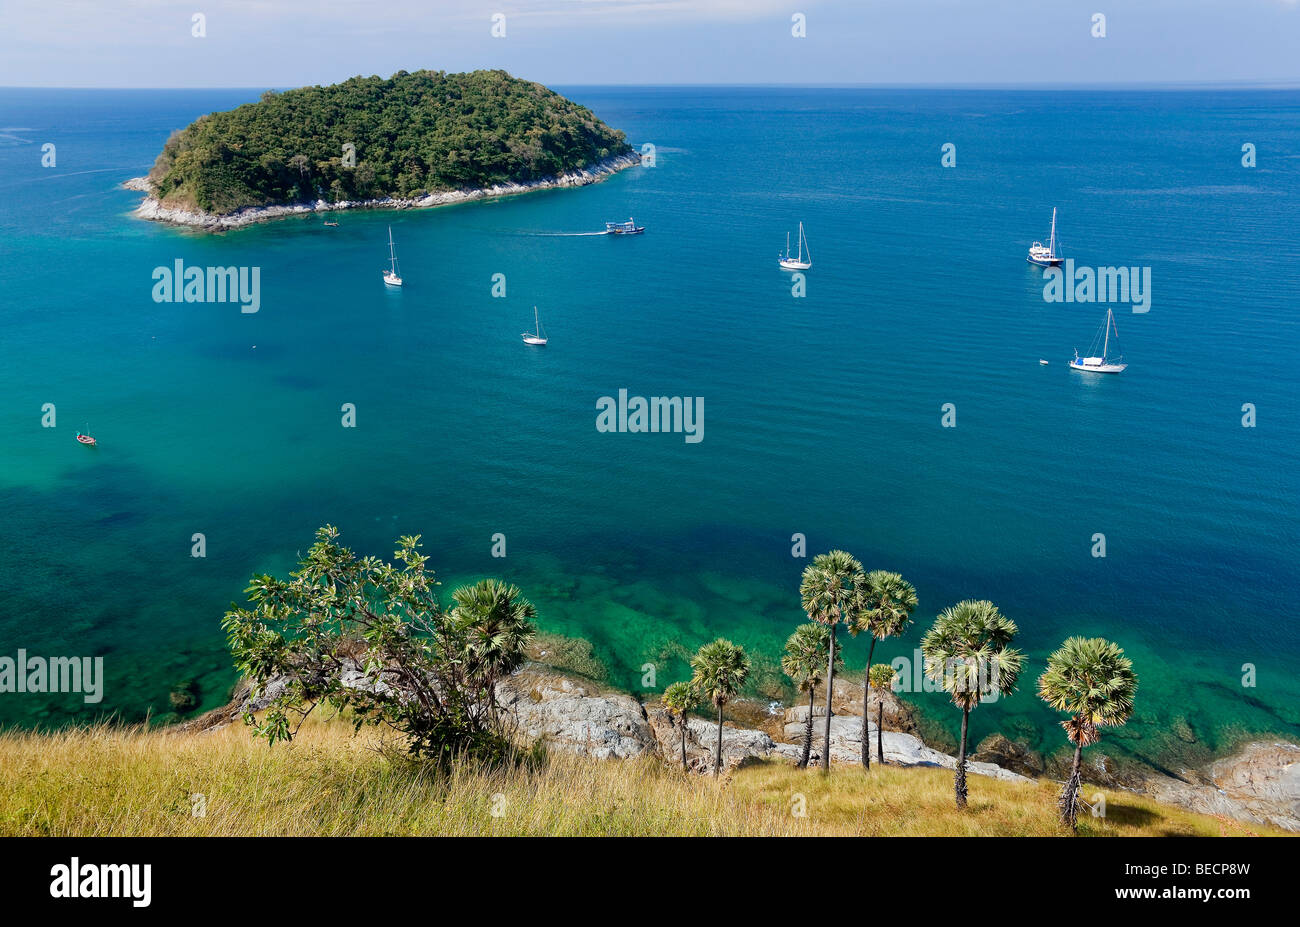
column 418, row 139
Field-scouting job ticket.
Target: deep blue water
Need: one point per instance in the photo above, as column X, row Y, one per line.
column 822, row 413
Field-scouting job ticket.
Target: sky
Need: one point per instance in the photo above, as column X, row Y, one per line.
column 287, row 43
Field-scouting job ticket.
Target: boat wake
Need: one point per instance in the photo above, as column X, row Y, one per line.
column 562, row 234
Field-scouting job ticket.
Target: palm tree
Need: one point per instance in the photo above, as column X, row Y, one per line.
column 805, row 662
column 968, row 653
column 884, row 609
column 881, row 676
column 494, row 625
column 1091, row 679
column 720, row 668
column 828, row 593
column 679, row 698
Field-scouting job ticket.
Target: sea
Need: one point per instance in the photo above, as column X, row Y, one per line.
column 891, row 401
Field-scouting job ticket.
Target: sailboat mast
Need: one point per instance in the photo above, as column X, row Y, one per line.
column 1052, row 242
column 1105, row 348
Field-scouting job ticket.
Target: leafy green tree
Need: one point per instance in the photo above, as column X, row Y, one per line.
column 883, row 609
column 829, row 594
column 679, row 699
column 360, row 633
column 968, row 652
column 880, row 677
column 804, row 661
column 1090, row 678
column 720, row 669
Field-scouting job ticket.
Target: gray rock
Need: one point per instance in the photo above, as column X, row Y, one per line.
column 574, row 716
column 736, row 741
column 900, row 749
column 739, row 745
column 259, row 698
column 1260, row 784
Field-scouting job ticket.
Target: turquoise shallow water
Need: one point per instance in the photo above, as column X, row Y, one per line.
column 822, row 414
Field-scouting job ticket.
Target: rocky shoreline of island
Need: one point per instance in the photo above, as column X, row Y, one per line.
column 155, row 209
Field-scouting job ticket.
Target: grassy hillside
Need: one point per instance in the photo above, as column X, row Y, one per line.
column 413, row 133
column 105, row 781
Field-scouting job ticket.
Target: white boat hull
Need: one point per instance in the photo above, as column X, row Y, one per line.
column 392, row 279
column 533, row 339
column 1045, row 261
column 1097, row 368
column 794, row 265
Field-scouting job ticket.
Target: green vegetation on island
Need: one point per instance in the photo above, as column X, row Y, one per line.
column 368, row 138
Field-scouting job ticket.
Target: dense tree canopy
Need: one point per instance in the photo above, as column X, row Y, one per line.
column 361, row 634
column 415, row 133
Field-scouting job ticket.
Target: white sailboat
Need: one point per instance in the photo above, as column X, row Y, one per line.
column 538, row 336
column 799, row 262
column 1104, row 363
column 391, row 276
column 1045, row 255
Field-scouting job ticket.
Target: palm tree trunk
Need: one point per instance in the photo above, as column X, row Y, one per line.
column 830, row 690
column 807, row 729
column 866, row 701
column 880, row 726
column 1069, row 800
column 959, row 780
column 717, row 756
column 685, row 768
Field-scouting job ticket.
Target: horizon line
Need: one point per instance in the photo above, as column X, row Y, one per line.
column 1240, row 84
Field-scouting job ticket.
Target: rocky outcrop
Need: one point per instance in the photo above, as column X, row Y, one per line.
column 154, row 208
column 846, row 699
column 1008, row 754
column 1258, row 784
column 1265, row 777
column 575, row 716
column 739, row 745
column 901, row 744
column 900, row 749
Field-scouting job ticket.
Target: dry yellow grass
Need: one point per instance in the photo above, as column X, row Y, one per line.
column 111, row 781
